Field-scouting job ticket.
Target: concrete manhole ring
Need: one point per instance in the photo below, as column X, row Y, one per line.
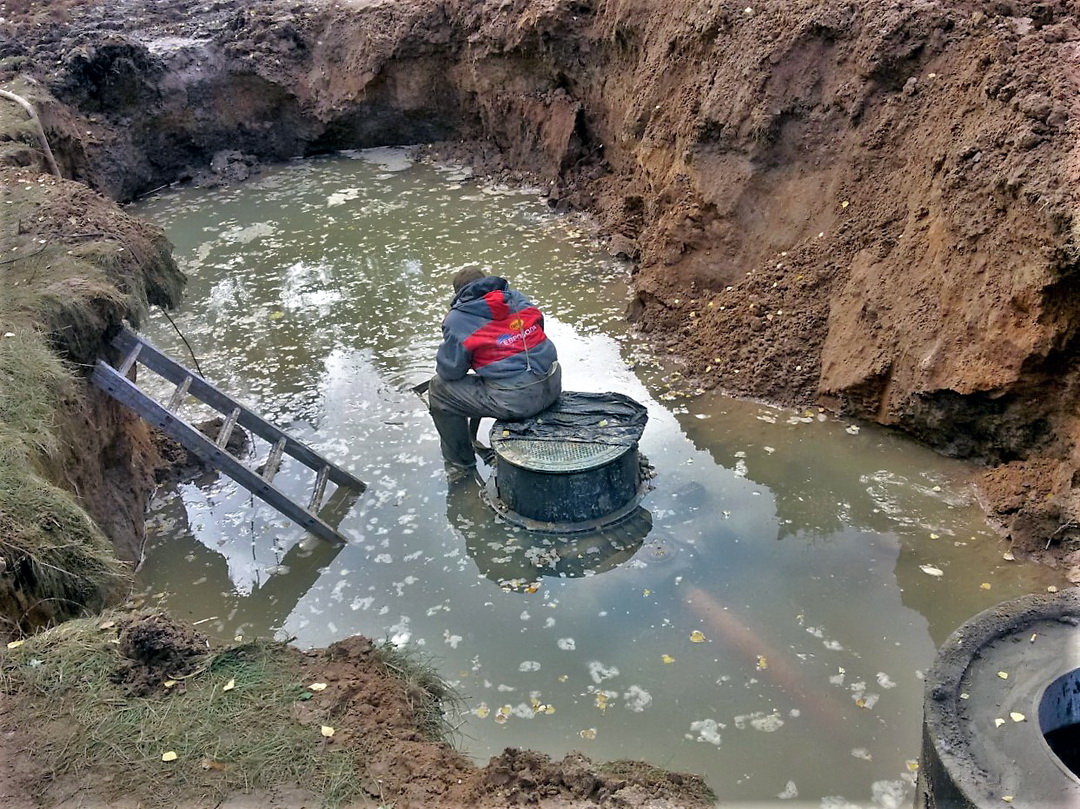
column 1000, row 683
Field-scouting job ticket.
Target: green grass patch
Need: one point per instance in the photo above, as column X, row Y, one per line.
column 231, row 724
column 59, row 563
column 431, row 698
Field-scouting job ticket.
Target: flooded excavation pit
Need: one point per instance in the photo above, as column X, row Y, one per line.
column 768, row 580
column 1003, row 707
column 573, row 468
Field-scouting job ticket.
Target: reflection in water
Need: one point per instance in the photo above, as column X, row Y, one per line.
column 274, row 590
column 765, row 623
column 522, row 557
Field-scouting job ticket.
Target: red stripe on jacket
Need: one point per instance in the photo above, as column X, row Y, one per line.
column 507, row 334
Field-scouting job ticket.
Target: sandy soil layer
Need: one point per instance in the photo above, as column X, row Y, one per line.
column 865, row 206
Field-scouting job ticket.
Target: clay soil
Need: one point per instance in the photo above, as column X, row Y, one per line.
column 376, row 717
column 868, row 207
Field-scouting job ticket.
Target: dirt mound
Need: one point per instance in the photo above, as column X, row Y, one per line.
column 369, row 710
column 156, row 649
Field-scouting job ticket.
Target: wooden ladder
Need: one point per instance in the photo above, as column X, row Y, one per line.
column 115, row 382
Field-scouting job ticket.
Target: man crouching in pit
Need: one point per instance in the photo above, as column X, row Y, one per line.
column 498, row 334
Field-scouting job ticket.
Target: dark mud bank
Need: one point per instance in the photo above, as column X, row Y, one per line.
column 866, row 206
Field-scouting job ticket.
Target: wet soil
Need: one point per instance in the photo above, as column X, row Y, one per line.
column 870, row 207
column 376, row 718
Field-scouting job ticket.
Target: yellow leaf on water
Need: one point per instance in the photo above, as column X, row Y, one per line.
column 667, row 659
column 588, row 733
column 15, row 644
column 317, row 687
column 646, row 592
column 483, row 711
column 326, row 731
column 229, row 686
column 912, row 765
column 1016, row 716
column 1004, row 675
column 697, row 636
column 549, row 709
column 1007, row 798
column 999, row 722
column 984, row 586
column 169, row 756
column 762, row 663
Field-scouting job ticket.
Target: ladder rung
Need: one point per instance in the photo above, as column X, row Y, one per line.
column 179, row 394
column 227, row 428
column 129, row 360
column 320, row 487
column 274, row 461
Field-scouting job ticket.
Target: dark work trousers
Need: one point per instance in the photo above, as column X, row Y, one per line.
column 453, row 402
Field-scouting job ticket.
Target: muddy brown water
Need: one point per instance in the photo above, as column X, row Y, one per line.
column 765, row 620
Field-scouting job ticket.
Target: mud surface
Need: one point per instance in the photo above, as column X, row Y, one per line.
column 376, row 718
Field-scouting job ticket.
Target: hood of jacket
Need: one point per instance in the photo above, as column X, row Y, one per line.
column 478, row 289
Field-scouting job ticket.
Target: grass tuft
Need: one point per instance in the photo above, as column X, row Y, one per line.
column 58, row 561
column 226, row 740
column 430, row 696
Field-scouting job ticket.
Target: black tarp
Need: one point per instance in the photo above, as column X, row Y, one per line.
column 597, row 418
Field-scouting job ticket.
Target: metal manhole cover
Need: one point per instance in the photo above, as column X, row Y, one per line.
column 557, row 456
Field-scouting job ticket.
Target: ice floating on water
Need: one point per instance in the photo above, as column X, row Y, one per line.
column 890, row 794
column 766, row 723
column 637, row 699
column 599, row 672
column 342, row 196
column 705, row 730
column 790, row 791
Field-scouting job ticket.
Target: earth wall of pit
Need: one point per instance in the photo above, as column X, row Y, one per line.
column 868, row 207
